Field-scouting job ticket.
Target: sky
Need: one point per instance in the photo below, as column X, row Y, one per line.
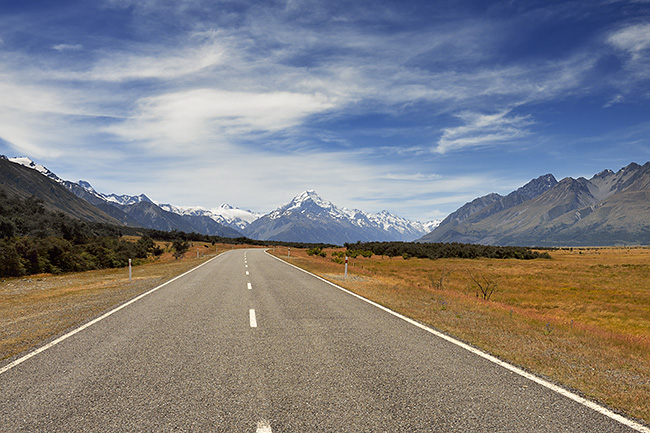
column 415, row 107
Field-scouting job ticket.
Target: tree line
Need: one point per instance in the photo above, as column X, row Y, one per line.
column 445, row 250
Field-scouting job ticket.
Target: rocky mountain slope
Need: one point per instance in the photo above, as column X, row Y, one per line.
column 608, row 209
column 16, row 179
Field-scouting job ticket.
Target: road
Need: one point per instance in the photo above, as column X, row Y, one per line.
column 247, row 343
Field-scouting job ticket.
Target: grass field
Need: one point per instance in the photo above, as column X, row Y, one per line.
column 581, row 319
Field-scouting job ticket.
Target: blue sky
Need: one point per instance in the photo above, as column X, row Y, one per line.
column 411, row 106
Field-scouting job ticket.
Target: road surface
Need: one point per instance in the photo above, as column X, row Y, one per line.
column 247, row 343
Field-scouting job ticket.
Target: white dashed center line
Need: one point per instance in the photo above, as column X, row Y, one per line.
column 253, row 319
column 247, row 273
column 250, row 287
column 263, row 427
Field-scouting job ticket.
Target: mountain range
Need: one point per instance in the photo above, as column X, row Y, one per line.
column 306, row 218
column 309, row 218
column 611, row 208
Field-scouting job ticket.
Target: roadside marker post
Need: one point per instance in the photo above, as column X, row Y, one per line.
column 130, row 273
column 346, row 266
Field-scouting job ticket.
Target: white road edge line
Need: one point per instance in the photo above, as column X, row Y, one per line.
column 253, row 319
column 92, row 322
column 575, row 397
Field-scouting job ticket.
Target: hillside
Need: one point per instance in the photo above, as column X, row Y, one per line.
column 24, row 182
column 608, row 209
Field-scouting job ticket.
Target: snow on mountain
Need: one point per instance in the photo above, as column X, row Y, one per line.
column 27, row 162
column 235, row 217
column 309, row 218
column 390, row 222
column 225, row 214
column 309, row 202
column 123, row 200
column 126, row 200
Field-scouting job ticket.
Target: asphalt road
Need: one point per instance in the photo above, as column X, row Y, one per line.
column 274, row 350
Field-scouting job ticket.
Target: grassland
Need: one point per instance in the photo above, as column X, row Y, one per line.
column 581, row 319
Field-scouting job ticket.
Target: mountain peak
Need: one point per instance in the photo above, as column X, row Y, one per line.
column 87, row 186
column 306, row 198
column 127, row 199
column 537, row 186
column 309, row 194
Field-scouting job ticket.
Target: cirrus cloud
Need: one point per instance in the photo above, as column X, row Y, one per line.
column 199, row 116
column 481, row 130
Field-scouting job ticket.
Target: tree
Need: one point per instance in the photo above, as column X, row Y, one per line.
column 180, row 247
column 485, row 287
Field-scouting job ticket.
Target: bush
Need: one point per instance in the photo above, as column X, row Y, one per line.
column 316, row 251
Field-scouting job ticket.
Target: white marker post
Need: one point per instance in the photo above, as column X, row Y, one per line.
column 129, row 270
column 289, row 252
column 346, row 266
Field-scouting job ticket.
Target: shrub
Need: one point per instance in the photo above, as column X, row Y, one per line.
column 316, row 251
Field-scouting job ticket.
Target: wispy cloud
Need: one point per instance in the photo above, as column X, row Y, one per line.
column 204, row 116
column 67, row 47
column 635, row 39
column 480, row 130
column 155, row 61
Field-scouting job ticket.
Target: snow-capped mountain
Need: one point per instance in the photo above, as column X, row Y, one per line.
column 306, row 218
column 27, row 162
column 401, row 226
column 225, row 214
column 123, row 200
column 114, row 198
column 309, row 218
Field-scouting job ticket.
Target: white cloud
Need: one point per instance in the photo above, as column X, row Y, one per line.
column 634, row 39
column 634, row 42
column 67, row 47
column 154, row 61
column 207, row 115
column 483, row 130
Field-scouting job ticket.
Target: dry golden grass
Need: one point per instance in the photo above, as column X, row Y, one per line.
column 36, row 308
column 581, row 319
